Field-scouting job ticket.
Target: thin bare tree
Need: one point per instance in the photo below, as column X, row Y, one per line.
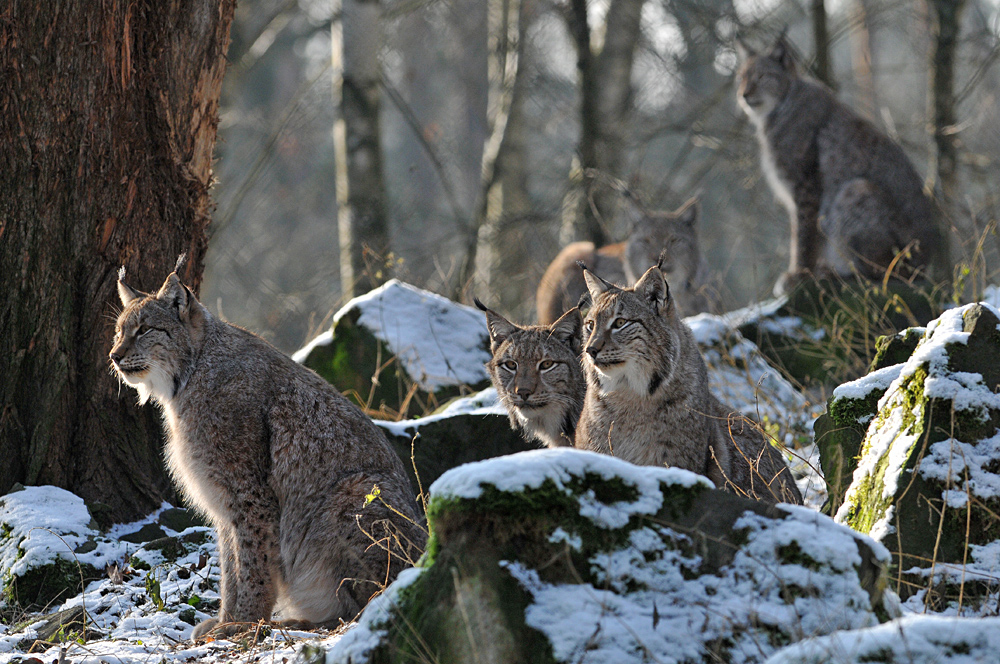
column 362, row 217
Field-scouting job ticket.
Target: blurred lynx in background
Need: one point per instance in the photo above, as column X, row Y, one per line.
column 672, row 234
column 853, row 198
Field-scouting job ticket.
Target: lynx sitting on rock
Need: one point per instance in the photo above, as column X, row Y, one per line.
column 536, row 372
column 854, row 199
column 670, row 234
column 648, row 400
column 274, row 456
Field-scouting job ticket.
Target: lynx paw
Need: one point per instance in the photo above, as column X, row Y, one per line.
column 203, row 628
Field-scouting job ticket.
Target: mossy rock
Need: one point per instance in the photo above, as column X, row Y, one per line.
column 568, row 556
column 837, row 325
column 180, row 519
column 841, row 429
column 400, row 351
column 441, row 442
column 42, row 585
column 168, row 549
column 913, row 639
column 935, row 444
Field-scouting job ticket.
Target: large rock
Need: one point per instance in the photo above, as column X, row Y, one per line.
column 824, row 331
column 468, row 429
column 402, row 351
column 926, row 484
column 914, row 639
column 569, row 556
column 47, row 548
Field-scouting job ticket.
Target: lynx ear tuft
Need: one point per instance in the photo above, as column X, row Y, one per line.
column 653, row 288
column 595, row 284
column 499, row 327
column 782, row 52
column 125, row 292
column 567, row 329
column 180, row 262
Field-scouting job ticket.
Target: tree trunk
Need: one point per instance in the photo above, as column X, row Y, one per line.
column 504, row 69
column 821, row 42
column 605, row 105
column 108, row 116
column 861, row 59
column 945, row 18
column 361, row 199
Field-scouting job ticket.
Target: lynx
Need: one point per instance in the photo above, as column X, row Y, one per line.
column 275, row 457
column 536, row 372
column 648, row 400
column 653, row 233
column 854, row 199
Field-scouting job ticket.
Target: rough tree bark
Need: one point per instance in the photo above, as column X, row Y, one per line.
column 361, row 199
column 605, row 103
column 108, row 115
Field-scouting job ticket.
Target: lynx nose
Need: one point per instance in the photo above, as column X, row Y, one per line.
column 593, row 351
column 116, row 358
column 523, row 393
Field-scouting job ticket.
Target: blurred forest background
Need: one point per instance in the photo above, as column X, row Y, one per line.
column 485, row 111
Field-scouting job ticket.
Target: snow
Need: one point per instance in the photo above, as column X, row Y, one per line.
column 29, row 543
column 875, row 381
column 889, row 435
column 529, row 470
column 651, row 602
column 484, row 403
column 48, row 523
column 914, row 639
column 438, row 342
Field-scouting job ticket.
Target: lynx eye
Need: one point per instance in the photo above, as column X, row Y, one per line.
column 545, row 365
column 509, row 365
column 588, row 326
column 141, row 330
column 619, row 323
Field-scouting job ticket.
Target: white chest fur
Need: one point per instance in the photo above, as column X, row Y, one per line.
column 188, row 465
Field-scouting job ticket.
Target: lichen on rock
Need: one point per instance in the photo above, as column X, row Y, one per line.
column 926, row 483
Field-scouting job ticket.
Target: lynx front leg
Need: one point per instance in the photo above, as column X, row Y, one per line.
column 257, row 559
column 806, row 239
column 227, row 582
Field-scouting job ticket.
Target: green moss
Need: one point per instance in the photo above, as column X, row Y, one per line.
column 792, row 554
column 42, row 585
column 884, row 655
column 870, row 505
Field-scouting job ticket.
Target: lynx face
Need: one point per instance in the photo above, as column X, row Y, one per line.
column 536, row 372
column 764, row 80
column 154, row 345
column 630, row 340
column 671, row 235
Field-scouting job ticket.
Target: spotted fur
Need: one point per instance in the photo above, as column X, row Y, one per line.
column 275, row 457
column 536, row 372
column 648, row 400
